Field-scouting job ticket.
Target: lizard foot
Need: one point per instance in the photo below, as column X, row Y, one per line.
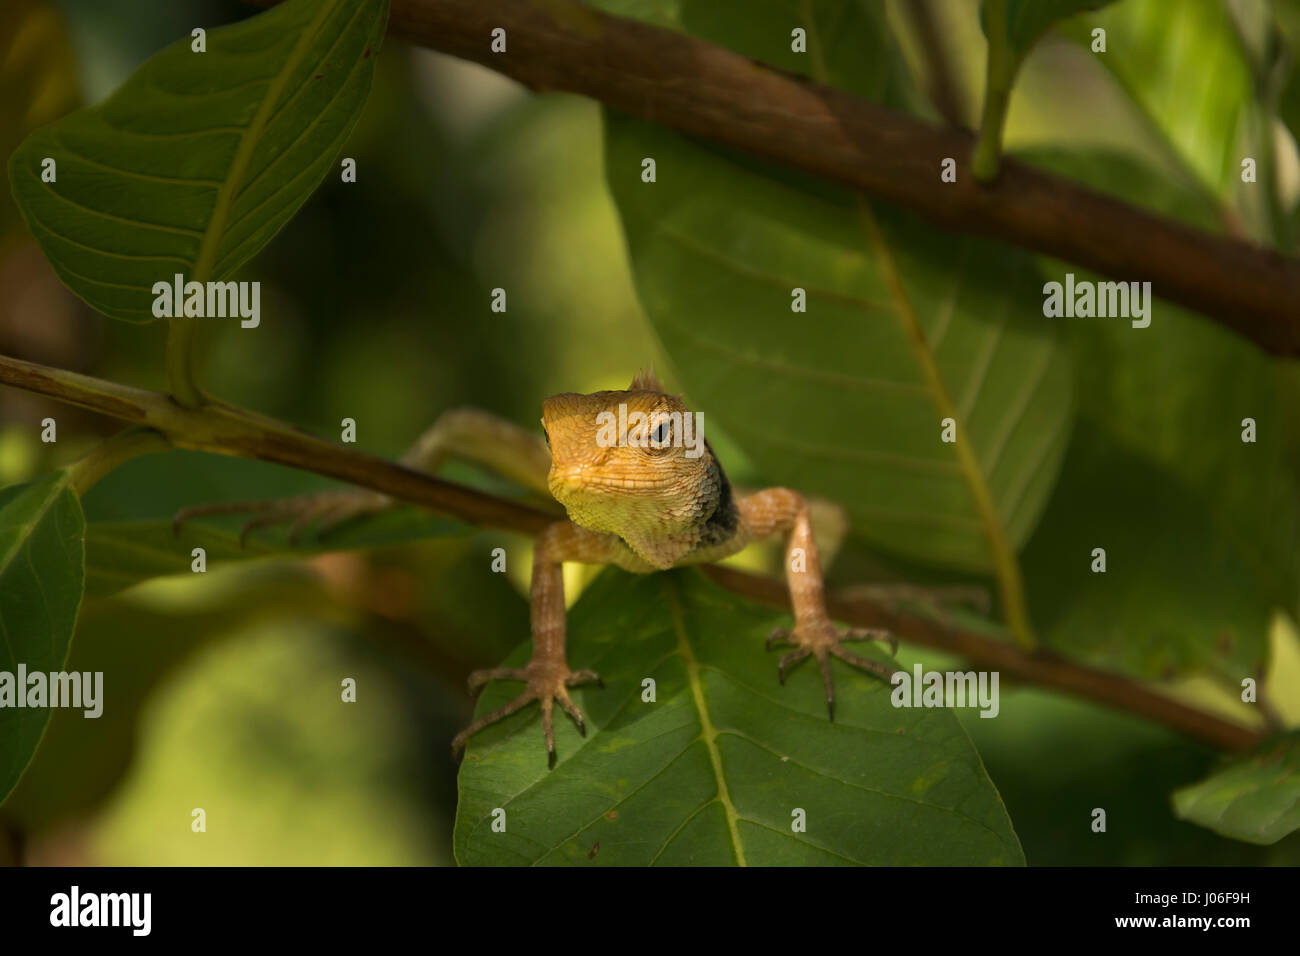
column 327, row 509
column 546, row 683
column 822, row 640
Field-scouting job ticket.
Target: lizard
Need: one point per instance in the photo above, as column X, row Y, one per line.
column 637, row 500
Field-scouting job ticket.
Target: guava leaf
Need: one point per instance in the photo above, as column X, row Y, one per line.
column 40, row 591
column 1255, row 798
column 1178, row 593
column 1184, row 67
column 200, row 158
column 1204, row 526
column 714, row 770
column 130, row 536
column 905, row 326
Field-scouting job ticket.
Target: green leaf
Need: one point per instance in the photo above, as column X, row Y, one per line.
column 905, row 326
column 40, row 590
column 1185, row 69
column 198, row 159
column 1127, row 177
column 1025, row 21
column 120, row 554
column 852, row 402
column 1180, row 592
column 38, row 82
column 1255, row 798
column 712, row 771
column 1203, row 524
column 129, row 534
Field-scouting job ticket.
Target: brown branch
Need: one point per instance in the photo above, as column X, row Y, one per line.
column 708, row 91
column 1039, row 667
column 227, row 430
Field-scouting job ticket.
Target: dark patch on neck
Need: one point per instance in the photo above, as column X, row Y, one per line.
column 721, row 525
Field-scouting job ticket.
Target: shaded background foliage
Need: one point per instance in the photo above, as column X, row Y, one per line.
column 222, row 689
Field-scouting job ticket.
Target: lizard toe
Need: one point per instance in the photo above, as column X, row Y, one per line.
column 545, row 683
column 821, row 640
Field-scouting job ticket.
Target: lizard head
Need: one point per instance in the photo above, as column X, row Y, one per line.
column 633, row 463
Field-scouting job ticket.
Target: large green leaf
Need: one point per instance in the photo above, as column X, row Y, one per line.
column 1179, row 592
column 40, row 590
column 905, row 326
column 1184, row 66
column 199, row 158
column 120, row 554
column 1205, row 527
column 1129, row 177
column 130, row 537
column 713, row 770
column 1255, row 798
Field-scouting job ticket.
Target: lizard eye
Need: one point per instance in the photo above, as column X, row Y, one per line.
column 659, row 438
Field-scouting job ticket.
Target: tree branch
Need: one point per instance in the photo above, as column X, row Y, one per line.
column 226, row 430
column 220, row 428
column 1038, row 667
column 707, row 91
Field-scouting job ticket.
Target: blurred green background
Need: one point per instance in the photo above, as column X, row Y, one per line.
column 222, row 689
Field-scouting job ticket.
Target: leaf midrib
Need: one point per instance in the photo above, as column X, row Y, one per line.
column 248, row 142
column 1006, row 568
column 708, row 734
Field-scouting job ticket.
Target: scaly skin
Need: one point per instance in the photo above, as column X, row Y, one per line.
column 644, row 507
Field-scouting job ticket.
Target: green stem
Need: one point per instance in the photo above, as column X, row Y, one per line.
column 125, row 445
column 180, row 362
column 998, row 77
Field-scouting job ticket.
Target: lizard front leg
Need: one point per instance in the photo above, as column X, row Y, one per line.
column 814, row 635
column 547, row 675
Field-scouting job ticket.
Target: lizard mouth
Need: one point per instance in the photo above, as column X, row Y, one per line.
column 578, row 481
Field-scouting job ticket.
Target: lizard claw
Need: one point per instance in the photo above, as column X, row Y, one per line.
column 545, row 683
column 822, row 640
column 779, row 635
